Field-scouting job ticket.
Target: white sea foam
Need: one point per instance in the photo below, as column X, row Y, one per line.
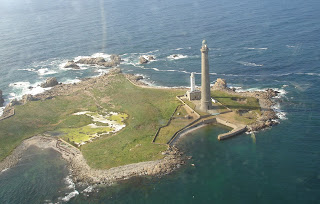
column 309, row 74
column 29, row 70
column 250, row 64
column 22, row 88
column 101, row 72
column 290, row 46
column 99, row 54
column 277, row 108
column 177, row 56
column 89, row 189
column 45, row 71
column 4, row 170
column 180, row 48
column 71, row 81
column 41, row 72
column 70, row 195
column 69, row 182
column 254, row 48
column 280, row 113
column 1, row 110
column 70, row 185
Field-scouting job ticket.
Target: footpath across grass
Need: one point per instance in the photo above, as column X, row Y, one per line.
column 147, row 108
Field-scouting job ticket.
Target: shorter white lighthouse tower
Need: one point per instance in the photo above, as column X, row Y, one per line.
column 193, row 93
column 192, row 82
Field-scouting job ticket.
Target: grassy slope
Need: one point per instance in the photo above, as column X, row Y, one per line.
column 148, row 109
column 176, row 124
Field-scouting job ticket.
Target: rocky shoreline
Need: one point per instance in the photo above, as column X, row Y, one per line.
column 268, row 116
column 84, row 174
column 80, row 170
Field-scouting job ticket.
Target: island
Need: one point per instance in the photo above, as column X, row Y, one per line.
column 114, row 126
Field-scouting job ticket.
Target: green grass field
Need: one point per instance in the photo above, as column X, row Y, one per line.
column 148, row 109
column 247, row 109
column 177, row 123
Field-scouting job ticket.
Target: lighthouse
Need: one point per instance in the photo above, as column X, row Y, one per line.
column 192, row 82
column 206, row 103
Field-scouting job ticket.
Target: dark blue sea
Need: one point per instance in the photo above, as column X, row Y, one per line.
column 253, row 45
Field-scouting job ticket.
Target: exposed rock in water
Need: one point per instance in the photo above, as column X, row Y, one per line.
column 26, row 98
column 50, row 82
column 143, row 60
column 71, row 64
column 150, row 58
column 146, row 59
column 220, row 84
column 1, row 99
column 115, row 60
column 92, row 60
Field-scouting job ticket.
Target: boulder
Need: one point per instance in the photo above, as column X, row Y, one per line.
column 27, row 97
column 220, row 84
column 13, row 103
column 71, row 64
column 115, row 71
column 108, row 64
column 115, row 58
column 150, row 58
column 143, row 60
column 1, row 99
column 50, row 82
column 137, row 78
column 92, row 60
column 271, row 93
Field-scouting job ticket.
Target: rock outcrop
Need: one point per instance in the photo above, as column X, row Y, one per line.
column 115, row 71
column 71, row 64
column 115, row 60
column 50, row 82
column 1, row 99
column 268, row 116
column 143, row 60
column 220, row 84
column 92, row 60
column 150, row 58
column 26, row 98
column 146, row 59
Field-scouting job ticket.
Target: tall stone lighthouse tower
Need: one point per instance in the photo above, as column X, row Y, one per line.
column 206, row 103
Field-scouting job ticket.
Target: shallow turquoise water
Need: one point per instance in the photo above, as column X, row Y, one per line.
column 40, row 177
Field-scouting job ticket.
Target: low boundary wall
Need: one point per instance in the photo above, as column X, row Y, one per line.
column 7, row 114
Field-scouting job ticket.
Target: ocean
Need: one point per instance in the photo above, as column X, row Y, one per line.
column 254, row 45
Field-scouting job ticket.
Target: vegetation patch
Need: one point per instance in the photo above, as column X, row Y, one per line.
column 246, row 109
column 179, row 120
column 102, row 124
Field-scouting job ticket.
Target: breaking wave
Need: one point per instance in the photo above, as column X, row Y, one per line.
column 177, row 56
column 250, row 64
column 260, row 48
column 277, row 107
column 70, row 185
column 22, row 88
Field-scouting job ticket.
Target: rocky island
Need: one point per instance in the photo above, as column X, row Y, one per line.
column 112, row 127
